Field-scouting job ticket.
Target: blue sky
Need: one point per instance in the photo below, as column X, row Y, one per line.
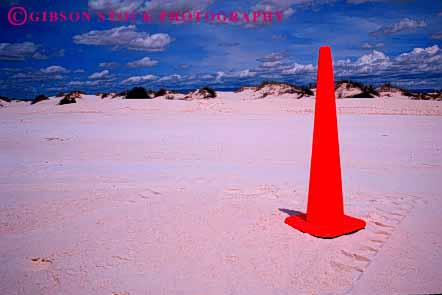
column 373, row 41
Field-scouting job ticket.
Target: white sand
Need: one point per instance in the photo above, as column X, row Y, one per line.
column 183, row 197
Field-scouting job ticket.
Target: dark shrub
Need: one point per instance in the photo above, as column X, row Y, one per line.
column 265, row 83
column 389, row 86
column 306, row 91
column 243, row 88
column 363, row 95
column 137, row 93
column 421, row 96
column 104, row 95
column 367, row 91
column 68, row 99
column 350, row 83
column 284, row 88
column 120, row 94
column 210, row 92
column 4, row 98
column 39, row 98
column 161, row 92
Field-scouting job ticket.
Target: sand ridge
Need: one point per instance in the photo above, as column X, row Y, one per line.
column 186, row 197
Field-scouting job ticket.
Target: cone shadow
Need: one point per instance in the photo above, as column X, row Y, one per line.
column 290, row 212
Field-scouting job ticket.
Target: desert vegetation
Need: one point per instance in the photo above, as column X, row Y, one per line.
column 39, row 98
column 138, row 93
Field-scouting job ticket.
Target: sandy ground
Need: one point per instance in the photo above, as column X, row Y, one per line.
column 189, row 197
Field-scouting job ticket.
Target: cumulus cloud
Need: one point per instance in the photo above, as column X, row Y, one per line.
column 405, row 24
column 137, row 79
column 40, row 56
column 437, row 36
column 99, row 75
column 176, row 5
column 20, row 51
column 85, row 83
column 427, row 59
column 279, row 37
column 125, row 37
column 417, row 61
column 108, row 65
column 272, row 57
column 55, row 70
column 273, row 60
column 171, row 78
column 228, row 44
column 37, row 76
column 184, row 66
column 246, row 74
column 372, row 62
column 271, row 64
column 115, row 5
column 298, row 69
column 287, row 7
column 144, row 62
column 375, row 57
column 242, row 74
column 372, row 45
column 149, row 5
column 206, row 76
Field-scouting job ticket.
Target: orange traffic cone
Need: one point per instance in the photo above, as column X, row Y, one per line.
column 325, row 210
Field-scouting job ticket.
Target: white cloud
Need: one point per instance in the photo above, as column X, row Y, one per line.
column 372, row 45
column 99, row 75
column 20, row 51
column 429, row 57
column 39, row 56
column 246, row 74
column 375, row 57
column 271, row 64
column 54, row 70
column 176, row 5
column 372, row 62
column 149, row 5
column 273, row 60
column 115, row 5
column 275, row 56
column 109, row 65
column 243, row 74
column 298, row 69
column 286, row 6
column 137, row 79
column 229, row 44
column 437, row 36
column 402, row 25
column 419, row 60
column 125, row 37
column 206, row 76
column 279, row 37
column 38, row 76
column 144, row 62
column 171, row 78
column 85, row 83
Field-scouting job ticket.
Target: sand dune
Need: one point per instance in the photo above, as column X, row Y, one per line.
column 113, row 196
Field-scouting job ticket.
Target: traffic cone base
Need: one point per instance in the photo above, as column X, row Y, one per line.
column 344, row 225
